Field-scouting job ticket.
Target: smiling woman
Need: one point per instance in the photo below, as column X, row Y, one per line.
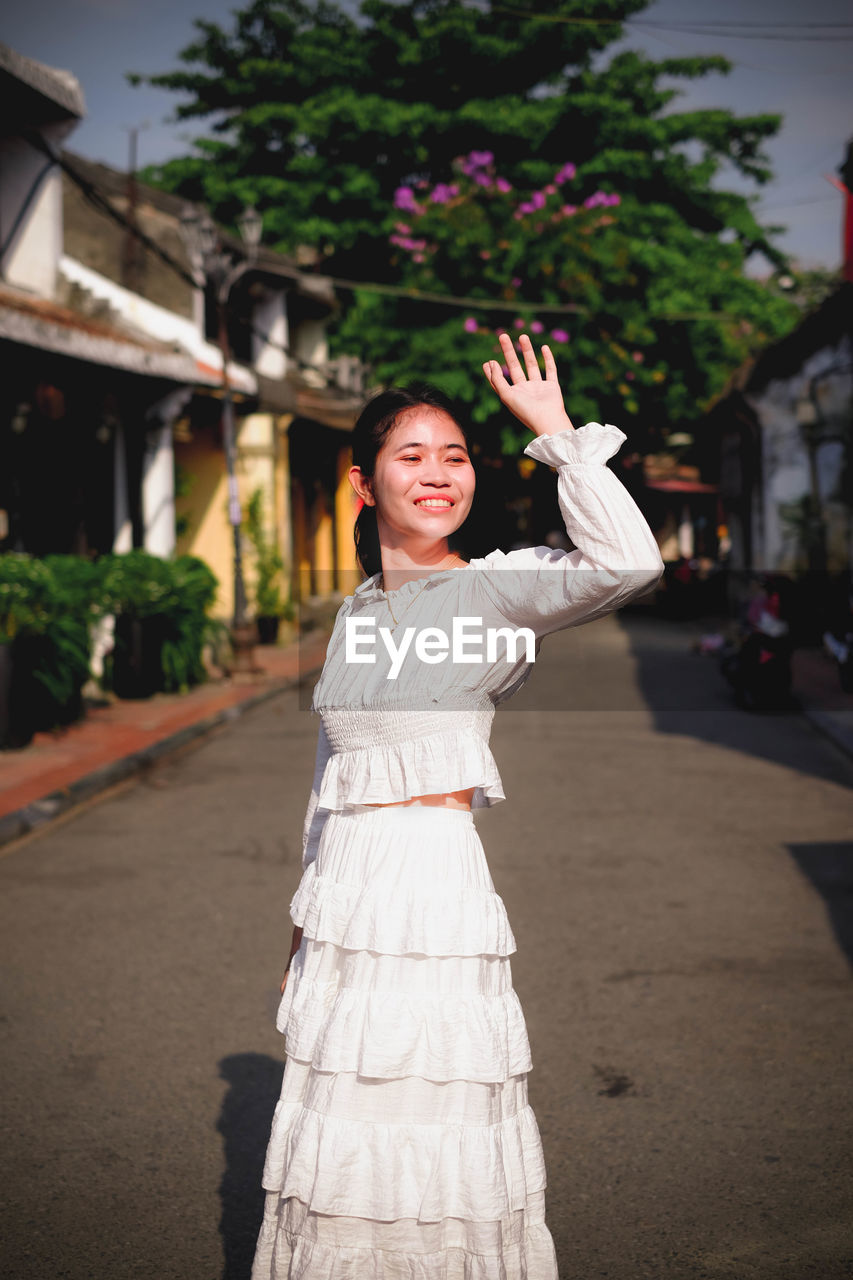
column 403, row 1144
column 409, row 447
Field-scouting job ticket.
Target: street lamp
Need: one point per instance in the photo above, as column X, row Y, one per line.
column 211, row 263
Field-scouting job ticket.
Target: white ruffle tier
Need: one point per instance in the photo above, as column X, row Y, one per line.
column 386, row 1034
column 296, row 1244
column 401, row 921
column 387, row 1171
column 450, row 759
column 403, row 1146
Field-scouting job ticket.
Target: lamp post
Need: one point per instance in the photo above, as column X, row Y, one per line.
column 211, row 263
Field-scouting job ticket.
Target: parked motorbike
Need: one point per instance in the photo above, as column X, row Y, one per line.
column 759, row 667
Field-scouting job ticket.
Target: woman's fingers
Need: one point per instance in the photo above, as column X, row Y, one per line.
column 550, row 365
column 518, row 376
column 516, row 372
column 497, row 381
column 530, row 362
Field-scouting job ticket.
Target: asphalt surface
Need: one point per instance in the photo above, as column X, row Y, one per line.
column 679, row 877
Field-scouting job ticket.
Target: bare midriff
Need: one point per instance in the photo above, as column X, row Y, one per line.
column 441, row 800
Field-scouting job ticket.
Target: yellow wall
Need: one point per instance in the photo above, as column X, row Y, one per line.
column 314, row 527
column 349, row 574
column 208, row 534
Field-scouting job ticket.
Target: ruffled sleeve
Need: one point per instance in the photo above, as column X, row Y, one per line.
column 314, row 817
column 616, row 559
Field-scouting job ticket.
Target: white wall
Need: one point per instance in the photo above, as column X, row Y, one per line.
column 785, row 457
column 309, row 343
column 159, row 322
column 270, row 323
column 32, row 260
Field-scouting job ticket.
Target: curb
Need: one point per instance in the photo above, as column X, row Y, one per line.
column 827, row 724
column 38, row 813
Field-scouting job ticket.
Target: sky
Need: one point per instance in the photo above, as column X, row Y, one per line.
column 804, row 76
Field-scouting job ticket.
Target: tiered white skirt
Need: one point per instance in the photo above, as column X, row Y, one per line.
column 403, row 1146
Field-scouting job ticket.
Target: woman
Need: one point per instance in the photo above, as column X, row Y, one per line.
column 403, row 1146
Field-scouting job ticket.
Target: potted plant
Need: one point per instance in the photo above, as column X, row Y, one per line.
column 270, row 605
column 161, row 621
column 44, row 646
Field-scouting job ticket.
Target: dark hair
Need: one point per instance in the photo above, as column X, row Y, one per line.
column 375, row 421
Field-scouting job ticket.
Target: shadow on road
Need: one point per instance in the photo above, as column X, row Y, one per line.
column 687, row 694
column 254, row 1086
column 828, row 866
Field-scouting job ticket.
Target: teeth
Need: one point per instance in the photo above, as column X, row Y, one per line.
column 433, row 502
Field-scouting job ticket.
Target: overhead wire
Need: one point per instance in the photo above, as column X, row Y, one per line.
column 744, row 30
column 469, row 302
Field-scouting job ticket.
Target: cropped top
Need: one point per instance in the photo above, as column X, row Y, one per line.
column 405, row 718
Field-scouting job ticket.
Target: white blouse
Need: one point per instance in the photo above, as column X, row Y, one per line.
column 400, row 721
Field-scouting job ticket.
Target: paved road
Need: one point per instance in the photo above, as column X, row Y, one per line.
column 678, row 875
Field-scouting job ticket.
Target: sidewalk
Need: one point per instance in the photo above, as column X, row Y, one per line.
column 823, row 701
column 117, row 739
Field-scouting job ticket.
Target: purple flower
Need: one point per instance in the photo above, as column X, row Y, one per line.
column 537, row 200
column 516, row 282
column 470, row 325
column 417, row 257
column 614, row 199
column 404, row 198
column 480, row 159
column 563, row 175
column 598, row 198
column 518, row 323
column 550, row 190
column 559, row 335
column 569, row 209
column 536, row 326
column 482, row 179
column 441, row 193
column 402, row 227
column 503, row 186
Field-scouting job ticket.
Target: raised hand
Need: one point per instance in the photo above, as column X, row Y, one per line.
column 535, row 401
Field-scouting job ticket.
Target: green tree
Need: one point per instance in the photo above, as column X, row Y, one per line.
column 320, row 117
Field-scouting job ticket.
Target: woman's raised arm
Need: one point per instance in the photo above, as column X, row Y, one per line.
column 617, row 557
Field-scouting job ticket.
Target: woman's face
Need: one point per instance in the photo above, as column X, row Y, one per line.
column 423, row 482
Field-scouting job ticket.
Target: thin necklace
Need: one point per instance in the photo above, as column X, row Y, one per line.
column 411, row 602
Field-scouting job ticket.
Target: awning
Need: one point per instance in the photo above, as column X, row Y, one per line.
column 50, row 326
column 681, row 486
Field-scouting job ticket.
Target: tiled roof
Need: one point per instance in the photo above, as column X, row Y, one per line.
column 52, row 83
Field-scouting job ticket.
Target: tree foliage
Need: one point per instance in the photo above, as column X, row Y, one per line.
column 320, row 117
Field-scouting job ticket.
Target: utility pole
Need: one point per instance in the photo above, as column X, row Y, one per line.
column 132, row 260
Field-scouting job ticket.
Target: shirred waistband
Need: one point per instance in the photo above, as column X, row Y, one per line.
column 356, row 727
